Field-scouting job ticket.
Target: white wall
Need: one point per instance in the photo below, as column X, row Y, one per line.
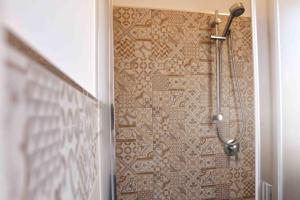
column 62, row 31
column 289, row 16
column 262, row 11
column 3, row 185
column 270, row 100
column 282, row 36
column 207, row 6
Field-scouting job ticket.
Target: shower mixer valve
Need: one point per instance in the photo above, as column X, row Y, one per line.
column 232, row 149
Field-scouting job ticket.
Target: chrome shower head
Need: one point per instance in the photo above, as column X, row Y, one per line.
column 237, row 9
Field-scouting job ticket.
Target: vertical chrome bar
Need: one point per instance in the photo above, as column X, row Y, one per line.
column 218, row 66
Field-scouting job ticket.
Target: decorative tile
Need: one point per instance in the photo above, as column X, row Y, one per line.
column 201, row 51
column 221, row 160
column 208, row 161
column 142, row 32
column 126, row 133
column 214, row 177
column 127, row 183
column 125, row 48
column 211, row 146
column 197, row 115
column 128, row 196
column 126, row 117
column 143, row 48
column 177, row 114
column 144, row 149
column 143, row 166
column 202, row 83
column 161, row 121
column 175, row 65
column 127, row 17
column 160, row 50
column 222, row 191
column 208, row 192
column 143, row 83
column 125, row 81
column 165, row 96
column 194, row 66
column 141, row 66
column 177, row 82
column 145, row 195
column 141, row 99
column 249, row 188
column 145, row 182
column 161, row 99
column 126, row 150
column 176, row 130
column 177, row 99
column 160, row 82
column 144, row 120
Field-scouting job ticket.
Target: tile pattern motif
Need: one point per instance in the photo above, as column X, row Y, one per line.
column 52, row 130
column 167, row 147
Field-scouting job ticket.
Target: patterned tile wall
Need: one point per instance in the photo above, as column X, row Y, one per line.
column 51, row 131
column 166, row 144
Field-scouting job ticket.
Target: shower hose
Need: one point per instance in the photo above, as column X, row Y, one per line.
column 219, row 123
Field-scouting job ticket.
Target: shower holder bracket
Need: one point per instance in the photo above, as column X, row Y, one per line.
column 216, row 37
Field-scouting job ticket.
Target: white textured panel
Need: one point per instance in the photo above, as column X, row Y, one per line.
column 51, row 131
column 289, row 53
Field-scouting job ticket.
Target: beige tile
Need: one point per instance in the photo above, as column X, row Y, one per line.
column 171, row 113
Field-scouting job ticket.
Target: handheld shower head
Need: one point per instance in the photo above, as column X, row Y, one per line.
column 236, row 10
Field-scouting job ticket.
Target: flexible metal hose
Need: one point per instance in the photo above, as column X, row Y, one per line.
column 237, row 87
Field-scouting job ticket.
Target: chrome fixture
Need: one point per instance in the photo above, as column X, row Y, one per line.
column 232, row 149
column 236, row 10
column 231, row 146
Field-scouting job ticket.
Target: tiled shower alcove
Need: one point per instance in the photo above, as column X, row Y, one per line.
column 166, row 143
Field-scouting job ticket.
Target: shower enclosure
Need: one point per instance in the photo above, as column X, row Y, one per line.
column 183, row 93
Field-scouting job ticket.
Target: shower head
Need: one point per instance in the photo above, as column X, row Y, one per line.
column 236, row 10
